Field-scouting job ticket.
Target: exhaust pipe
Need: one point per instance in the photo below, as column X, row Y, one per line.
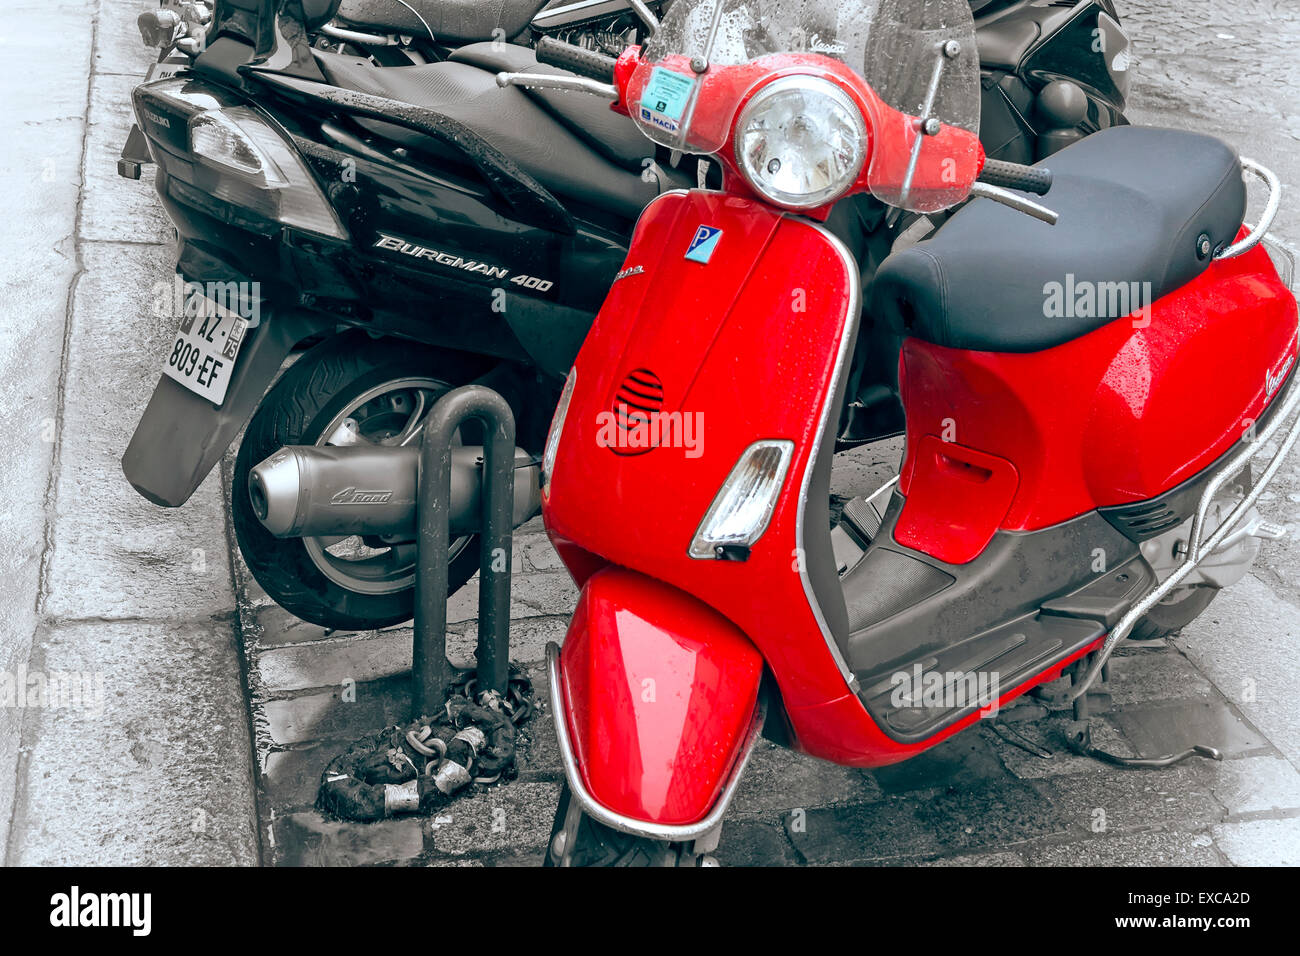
column 318, row 490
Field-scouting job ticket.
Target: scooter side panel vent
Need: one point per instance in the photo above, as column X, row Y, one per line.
column 1145, row 520
column 637, row 402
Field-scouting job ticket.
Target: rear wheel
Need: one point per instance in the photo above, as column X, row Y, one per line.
column 380, row 391
column 594, row 844
column 1179, row 608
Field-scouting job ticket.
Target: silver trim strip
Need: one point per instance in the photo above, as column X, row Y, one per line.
column 852, row 319
column 1252, row 238
column 1198, row 551
column 683, row 833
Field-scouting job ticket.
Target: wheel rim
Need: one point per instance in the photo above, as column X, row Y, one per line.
column 391, row 413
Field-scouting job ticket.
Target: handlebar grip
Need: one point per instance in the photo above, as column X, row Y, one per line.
column 1030, row 179
column 588, row 63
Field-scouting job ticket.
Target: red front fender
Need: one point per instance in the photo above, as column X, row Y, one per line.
column 657, row 700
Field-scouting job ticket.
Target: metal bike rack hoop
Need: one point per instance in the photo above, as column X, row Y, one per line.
column 431, row 672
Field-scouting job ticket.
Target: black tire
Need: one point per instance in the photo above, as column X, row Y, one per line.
column 312, row 393
column 1166, row 619
column 599, row 845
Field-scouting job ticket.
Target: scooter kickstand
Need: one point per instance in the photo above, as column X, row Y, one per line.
column 1079, row 739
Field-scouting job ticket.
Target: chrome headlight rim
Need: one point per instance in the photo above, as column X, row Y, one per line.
column 817, row 85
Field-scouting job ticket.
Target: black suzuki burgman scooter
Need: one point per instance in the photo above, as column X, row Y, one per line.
column 437, row 230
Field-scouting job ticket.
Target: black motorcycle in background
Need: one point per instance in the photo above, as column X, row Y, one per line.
column 433, row 229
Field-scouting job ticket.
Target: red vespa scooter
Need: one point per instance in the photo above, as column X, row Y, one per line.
column 1076, row 395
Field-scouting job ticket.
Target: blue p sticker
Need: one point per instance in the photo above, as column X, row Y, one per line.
column 702, row 246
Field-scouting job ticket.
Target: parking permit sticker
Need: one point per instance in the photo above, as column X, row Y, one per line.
column 664, row 99
column 703, row 244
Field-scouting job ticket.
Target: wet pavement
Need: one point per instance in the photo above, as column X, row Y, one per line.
column 983, row 798
column 149, row 761
column 221, row 709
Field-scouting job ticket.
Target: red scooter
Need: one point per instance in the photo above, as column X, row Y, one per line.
column 1083, row 397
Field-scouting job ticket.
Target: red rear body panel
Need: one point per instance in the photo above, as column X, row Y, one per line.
column 1117, row 416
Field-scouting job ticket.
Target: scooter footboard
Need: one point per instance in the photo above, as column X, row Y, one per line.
column 656, row 700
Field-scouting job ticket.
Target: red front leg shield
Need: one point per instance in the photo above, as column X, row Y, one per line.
column 657, row 697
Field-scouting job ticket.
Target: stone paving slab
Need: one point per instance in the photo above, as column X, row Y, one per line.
column 118, row 50
column 1260, row 842
column 1142, row 676
column 1164, row 848
column 305, row 839
column 154, row 766
column 1257, row 785
column 776, row 780
column 1170, row 727
column 117, row 209
column 885, row 830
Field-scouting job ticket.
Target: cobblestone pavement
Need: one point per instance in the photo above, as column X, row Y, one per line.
column 177, row 642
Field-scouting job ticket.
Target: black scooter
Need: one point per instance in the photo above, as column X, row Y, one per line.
column 412, row 32
column 437, row 229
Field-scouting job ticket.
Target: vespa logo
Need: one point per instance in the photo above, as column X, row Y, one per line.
column 817, row 45
column 354, row 496
column 1274, row 380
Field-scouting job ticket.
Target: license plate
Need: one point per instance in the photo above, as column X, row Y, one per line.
column 207, row 344
column 166, row 68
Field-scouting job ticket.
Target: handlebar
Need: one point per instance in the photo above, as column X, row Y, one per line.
column 575, row 59
column 1030, row 179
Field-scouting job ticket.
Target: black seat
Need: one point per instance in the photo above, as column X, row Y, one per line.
column 1134, row 203
column 450, row 21
column 614, row 136
column 514, row 122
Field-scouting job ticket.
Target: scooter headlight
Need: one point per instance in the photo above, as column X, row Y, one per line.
column 557, row 426
column 744, row 504
column 801, row 142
